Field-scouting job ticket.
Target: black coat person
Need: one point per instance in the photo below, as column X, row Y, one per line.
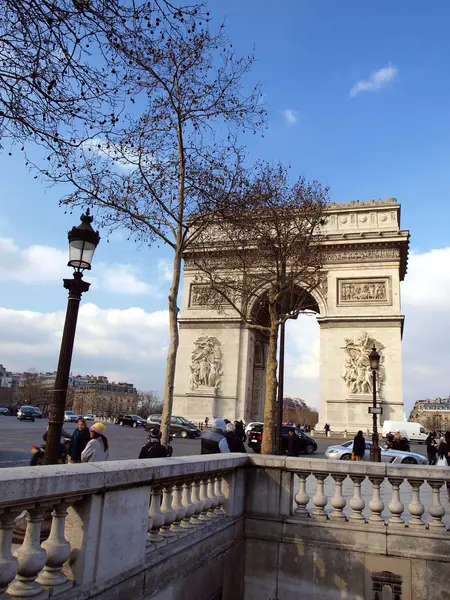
column 293, row 444
column 235, row 443
column 359, row 446
column 153, row 448
column 431, row 449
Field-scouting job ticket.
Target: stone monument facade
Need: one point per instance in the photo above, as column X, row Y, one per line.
column 221, row 364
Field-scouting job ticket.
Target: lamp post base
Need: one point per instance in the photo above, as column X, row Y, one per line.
column 375, row 453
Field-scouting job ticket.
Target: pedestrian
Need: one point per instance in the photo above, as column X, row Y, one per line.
column 444, row 454
column 78, row 442
column 240, row 431
column 400, row 443
column 214, row 440
column 206, row 421
column 327, row 429
column 153, row 448
column 431, row 448
column 293, row 445
column 235, row 443
column 359, row 446
column 97, row 448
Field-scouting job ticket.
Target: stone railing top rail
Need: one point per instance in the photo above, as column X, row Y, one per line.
column 25, row 484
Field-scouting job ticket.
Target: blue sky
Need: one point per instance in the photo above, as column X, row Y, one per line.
column 358, row 96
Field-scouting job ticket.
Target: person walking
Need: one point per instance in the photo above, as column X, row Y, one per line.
column 359, row 446
column 97, row 448
column 214, row 440
column 400, row 443
column 153, row 448
column 431, row 448
column 444, row 454
column 293, row 444
column 327, row 429
column 78, row 442
column 240, row 431
column 235, row 443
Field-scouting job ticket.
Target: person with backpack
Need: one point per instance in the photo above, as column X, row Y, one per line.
column 153, row 447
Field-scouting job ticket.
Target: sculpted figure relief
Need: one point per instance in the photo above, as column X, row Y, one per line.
column 357, row 373
column 375, row 290
column 206, row 363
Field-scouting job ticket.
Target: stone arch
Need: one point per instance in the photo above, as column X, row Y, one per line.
column 359, row 297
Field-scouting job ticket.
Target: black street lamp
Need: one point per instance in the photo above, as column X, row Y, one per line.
column 83, row 241
column 375, row 450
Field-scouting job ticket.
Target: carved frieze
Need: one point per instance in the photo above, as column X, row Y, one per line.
column 206, row 364
column 360, row 254
column 357, row 291
column 201, row 295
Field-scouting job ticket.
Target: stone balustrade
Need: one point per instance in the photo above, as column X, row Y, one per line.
column 119, row 521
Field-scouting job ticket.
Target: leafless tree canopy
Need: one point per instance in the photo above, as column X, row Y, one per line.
column 63, row 77
column 148, row 403
column 265, row 248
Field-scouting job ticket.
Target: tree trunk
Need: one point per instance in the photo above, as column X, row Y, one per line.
column 172, row 352
column 271, row 385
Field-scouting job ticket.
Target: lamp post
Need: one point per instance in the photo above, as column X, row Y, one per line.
column 375, row 450
column 83, row 241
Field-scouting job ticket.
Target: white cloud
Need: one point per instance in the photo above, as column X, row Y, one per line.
column 44, row 264
column 290, row 115
column 377, row 80
column 127, row 344
column 165, row 269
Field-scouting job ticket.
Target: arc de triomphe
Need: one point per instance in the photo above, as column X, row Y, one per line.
column 221, row 364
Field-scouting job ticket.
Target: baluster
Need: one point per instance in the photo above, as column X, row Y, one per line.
column 8, row 562
column 212, row 496
column 169, row 515
column 319, row 499
column 197, row 518
column 376, row 505
column 204, row 516
column 186, row 521
column 219, row 495
column 180, row 511
column 396, row 505
column 338, row 501
column 302, row 498
column 155, row 517
column 58, row 551
column 357, row 504
column 31, row 559
column 436, row 510
column 415, row 507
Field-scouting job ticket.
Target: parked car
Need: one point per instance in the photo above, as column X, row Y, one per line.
column 4, row 412
column 344, row 452
column 89, row 417
column 131, row 420
column 179, row 426
column 70, row 416
column 308, row 444
column 37, row 411
column 252, row 425
column 26, row 413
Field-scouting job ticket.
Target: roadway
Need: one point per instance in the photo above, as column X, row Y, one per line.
column 18, row 437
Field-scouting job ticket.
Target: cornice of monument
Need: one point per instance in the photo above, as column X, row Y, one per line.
column 371, row 204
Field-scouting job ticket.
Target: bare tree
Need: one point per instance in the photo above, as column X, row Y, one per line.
column 148, row 403
column 63, row 78
column 31, row 389
column 153, row 176
column 264, row 258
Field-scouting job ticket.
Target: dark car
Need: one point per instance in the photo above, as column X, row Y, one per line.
column 179, row 426
column 131, row 420
column 308, row 444
column 26, row 413
column 37, row 412
column 4, row 412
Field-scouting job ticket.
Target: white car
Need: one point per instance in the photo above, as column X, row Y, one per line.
column 89, row 417
column 344, row 452
column 251, row 425
column 70, row 416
